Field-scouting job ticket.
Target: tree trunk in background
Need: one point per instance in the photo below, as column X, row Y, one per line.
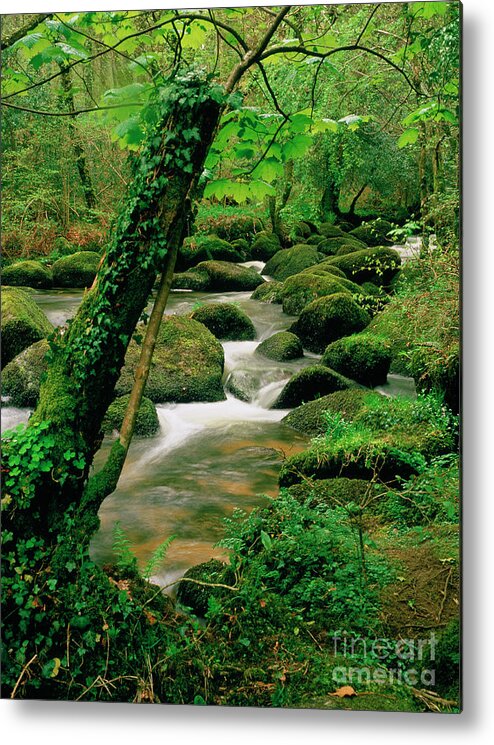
column 351, row 211
column 80, row 156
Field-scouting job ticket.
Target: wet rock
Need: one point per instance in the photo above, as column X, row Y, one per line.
column 21, row 378
column 310, row 383
column 281, row 346
column 77, row 270
column 327, row 319
column 365, row 358
column 27, row 274
column 290, row 261
column 147, row 422
column 301, row 289
column 226, row 321
column 23, row 323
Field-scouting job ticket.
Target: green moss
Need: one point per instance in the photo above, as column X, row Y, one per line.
column 314, row 239
column 226, row 321
column 77, row 270
column 363, row 357
column 229, row 277
column 21, row 378
column 302, row 229
column 207, row 248
column 322, row 269
column 328, row 230
column 264, row 246
column 327, row 319
column 196, row 596
column 281, row 346
column 290, row 261
column 269, row 292
column 243, row 246
column 23, row 323
column 187, row 364
column 27, row 274
column 191, row 280
column 378, row 265
column 373, row 233
column 308, row 384
column 310, row 418
column 147, row 423
column 330, row 246
column 301, row 289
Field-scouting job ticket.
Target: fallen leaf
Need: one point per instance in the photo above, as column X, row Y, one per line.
column 344, row 692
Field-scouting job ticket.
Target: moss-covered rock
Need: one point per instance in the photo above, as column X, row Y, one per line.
column 264, row 246
column 301, row 289
column 187, row 364
column 147, row 422
column 23, row 323
column 195, row 595
column 347, row 248
column 310, row 383
column 27, row 274
column 281, row 346
column 191, row 280
column 243, row 246
column 314, row 239
column 363, row 357
column 290, row 261
column 330, row 246
column 332, row 493
column 374, row 232
column 226, row 321
column 21, row 378
column 229, row 277
column 310, row 418
column 323, row 268
column 269, row 292
column 77, row 270
column 328, row 319
column 302, row 229
column 328, row 230
column 207, row 248
column 377, row 265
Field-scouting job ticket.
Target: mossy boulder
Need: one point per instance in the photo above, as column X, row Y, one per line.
column 362, row 357
column 377, row 265
column 77, row 270
column 207, row 248
column 226, row 321
column 27, row 274
column 269, row 292
column 281, row 346
column 187, row 364
column 196, row 596
column 301, row 289
column 264, row 246
column 21, row 378
column 310, row 418
column 314, row 239
column 323, row 268
column 242, row 246
column 147, row 422
column 23, row 323
column 191, row 280
column 290, row 261
column 328, row 319
column 310, row 383
column 330, row 246
column 332, row 492
column 223, row 276
column 328, row 230
column 302, row 229
column 374, row 232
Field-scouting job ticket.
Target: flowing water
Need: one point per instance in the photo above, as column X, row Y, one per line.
column 208, row 458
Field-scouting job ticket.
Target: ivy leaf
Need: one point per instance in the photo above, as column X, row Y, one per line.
column 409, row 137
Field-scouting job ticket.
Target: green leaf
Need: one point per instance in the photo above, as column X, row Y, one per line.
column 266, row 540
column 429, row 9
column 268, row 169
column 297, row 146
column 409, row 137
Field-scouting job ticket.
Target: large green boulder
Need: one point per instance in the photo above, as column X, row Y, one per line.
column 363, row 357
column 328, row 230
column 76, row 270
column 281, row 346
column 27, row 274
column 187, row 364
column 310, row 418
column 330, row 246
column 374, row 232
column 191, row 280
column 269, row 292
column 147, row 422
column 23, row 323
column 221, row 276
column 377, row 265
column 226, row 321
column 290, row 261
column 21, row 377
column 327, row 319
column 308, row 384
column 301, row 289
column 264, row 246
column 207, row 248
column 324, row 268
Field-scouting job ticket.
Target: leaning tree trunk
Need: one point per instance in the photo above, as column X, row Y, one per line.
column 86, row 357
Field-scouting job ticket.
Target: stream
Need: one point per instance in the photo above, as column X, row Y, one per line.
column 208, row 458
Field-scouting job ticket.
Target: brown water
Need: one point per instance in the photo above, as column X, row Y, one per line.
column 208, row 458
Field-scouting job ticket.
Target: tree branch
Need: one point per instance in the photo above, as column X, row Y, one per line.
column 69, row 113
column 368, row 21
column 20, row 33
